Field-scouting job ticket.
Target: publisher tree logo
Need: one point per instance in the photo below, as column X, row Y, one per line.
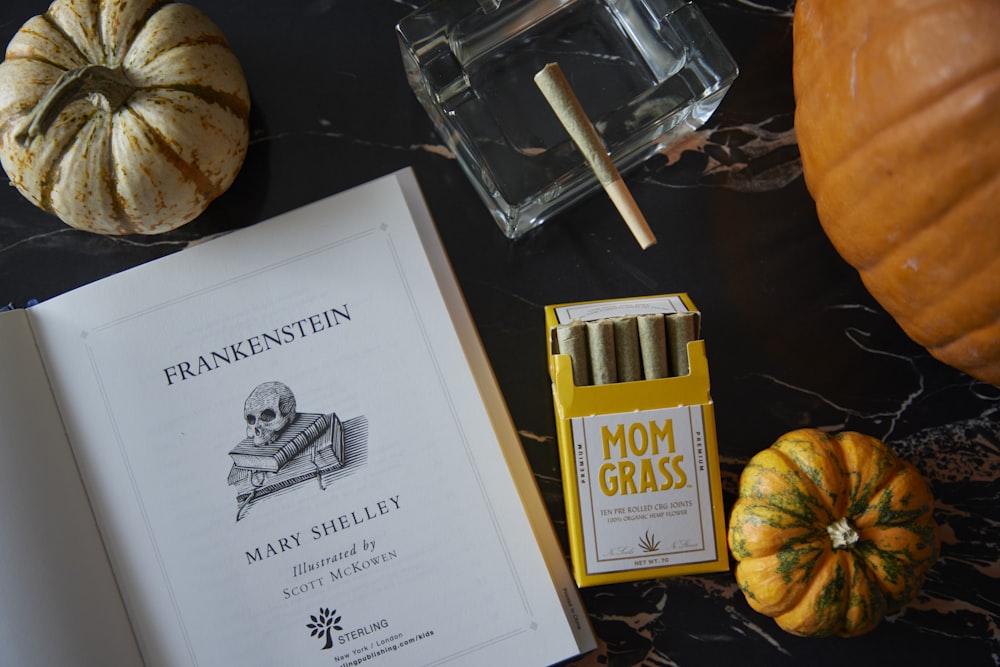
column 323, row 624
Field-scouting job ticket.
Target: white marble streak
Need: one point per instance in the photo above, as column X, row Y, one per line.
column 877, row 416
column 743, row 157
column 137, row 242
column 857, row 336
column 640, row 622
column 743, row 623
column 535, row 436
column 786, row 10
column 434, row 149
column 267, row 138
column 27, row 240
column 947, row 456
column 950, row 607
column 886, row 419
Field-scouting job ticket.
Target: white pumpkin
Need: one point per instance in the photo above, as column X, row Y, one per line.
column 122, row 116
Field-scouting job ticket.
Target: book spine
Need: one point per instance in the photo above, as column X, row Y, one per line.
column 301, row 441
column 337, row 439
column 273, row 461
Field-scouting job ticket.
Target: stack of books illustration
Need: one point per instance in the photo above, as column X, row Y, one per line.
column 310, row 447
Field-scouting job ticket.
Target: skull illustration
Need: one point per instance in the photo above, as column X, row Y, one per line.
column 269, row 409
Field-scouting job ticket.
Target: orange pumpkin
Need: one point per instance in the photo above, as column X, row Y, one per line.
column 831, row 532
column 898, row 122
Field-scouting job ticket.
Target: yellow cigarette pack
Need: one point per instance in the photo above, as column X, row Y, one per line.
column 639, row 458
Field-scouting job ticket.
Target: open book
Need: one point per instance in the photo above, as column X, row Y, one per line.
column 378, row 508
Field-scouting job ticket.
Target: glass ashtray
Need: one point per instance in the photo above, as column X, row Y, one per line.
column 647, row 73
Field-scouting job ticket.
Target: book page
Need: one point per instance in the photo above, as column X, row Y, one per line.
column 59, row 604
column 391, row 533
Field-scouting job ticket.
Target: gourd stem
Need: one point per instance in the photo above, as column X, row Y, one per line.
column 842, row 534
column 83, row 82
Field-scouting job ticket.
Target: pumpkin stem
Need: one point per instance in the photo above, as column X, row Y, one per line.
column 105, row 87
column 842, row 534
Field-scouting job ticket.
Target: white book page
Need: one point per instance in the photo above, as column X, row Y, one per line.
column 59, row 604
column 414, row 551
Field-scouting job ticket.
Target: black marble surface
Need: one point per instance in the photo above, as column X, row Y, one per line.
column 792, row 336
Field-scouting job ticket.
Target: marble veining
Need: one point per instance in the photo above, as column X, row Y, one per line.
column 779, row 9
column 747, row 157
column 793, row 338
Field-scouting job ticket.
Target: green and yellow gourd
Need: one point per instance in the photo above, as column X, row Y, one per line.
column 831, row 532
